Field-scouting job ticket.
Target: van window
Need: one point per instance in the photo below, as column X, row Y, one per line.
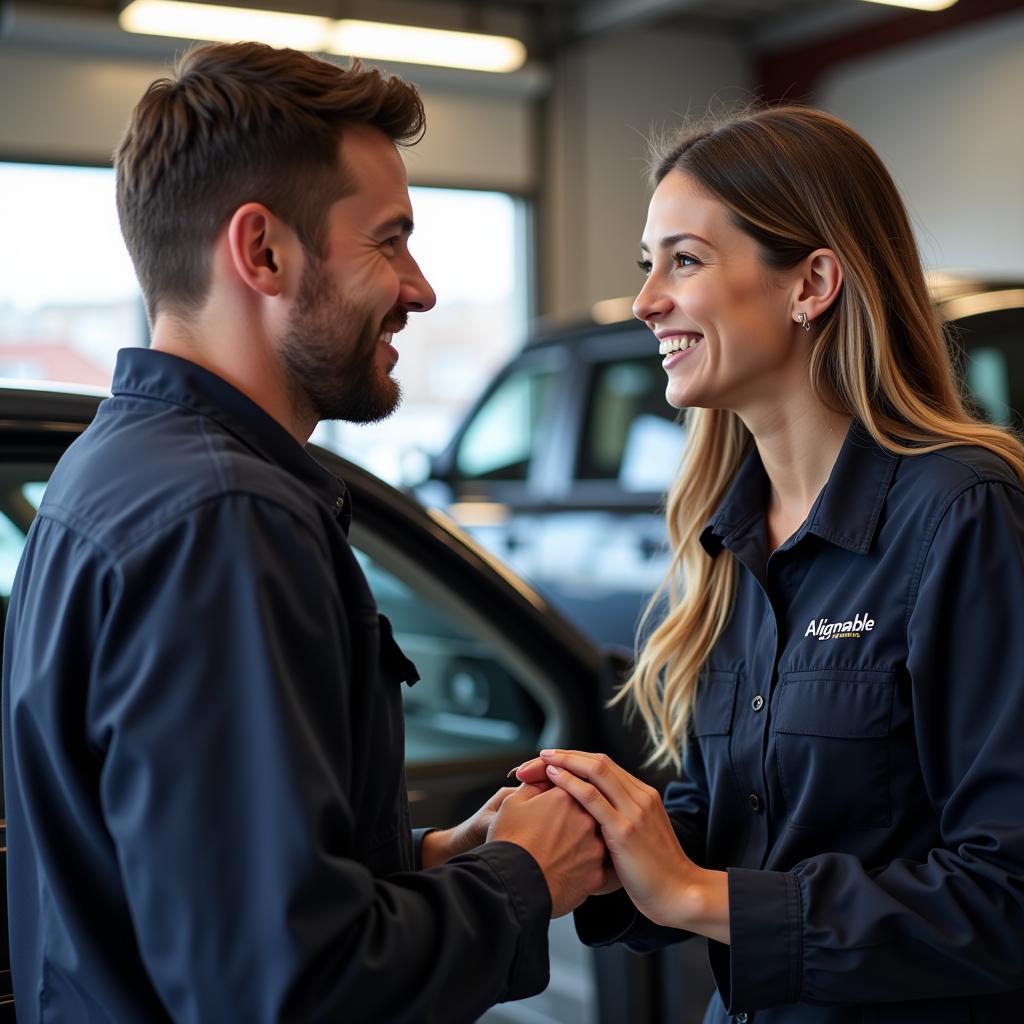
column 630, row 435
column 500, row 440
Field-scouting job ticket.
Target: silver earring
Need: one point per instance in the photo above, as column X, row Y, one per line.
column 801, row 319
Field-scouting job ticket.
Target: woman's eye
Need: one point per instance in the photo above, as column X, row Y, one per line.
column 645, row 266
column 684, row 259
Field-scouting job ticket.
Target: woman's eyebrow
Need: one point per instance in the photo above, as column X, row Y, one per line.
column 669, row 240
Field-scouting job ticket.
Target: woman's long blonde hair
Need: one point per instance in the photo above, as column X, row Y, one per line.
column 797, row 179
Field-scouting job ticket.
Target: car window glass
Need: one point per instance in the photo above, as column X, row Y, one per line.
column 470, row 702
column 19, row 500
column 500, row 439
column 630, row 432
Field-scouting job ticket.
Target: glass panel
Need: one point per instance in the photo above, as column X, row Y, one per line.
column 21, row 490
column 65, row 307
column 499, row 442
column 631, row 435
column 468, row 703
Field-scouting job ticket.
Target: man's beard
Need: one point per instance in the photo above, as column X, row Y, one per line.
column 330, row 354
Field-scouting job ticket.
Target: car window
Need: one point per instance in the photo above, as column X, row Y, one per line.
column 19, row 499
column 471, row 701
column 630, row 433
column 992, row 347
column 499, row 441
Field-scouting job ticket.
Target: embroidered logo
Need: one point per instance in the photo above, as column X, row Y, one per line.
column 849, row 630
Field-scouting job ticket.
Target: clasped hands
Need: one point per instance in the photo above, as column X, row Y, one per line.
column 593, row 828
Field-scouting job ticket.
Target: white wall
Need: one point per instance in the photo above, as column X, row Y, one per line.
column 946, row 116
column 607, row 96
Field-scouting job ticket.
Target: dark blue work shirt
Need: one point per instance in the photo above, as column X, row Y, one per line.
column 203, row 746
column 856, row 757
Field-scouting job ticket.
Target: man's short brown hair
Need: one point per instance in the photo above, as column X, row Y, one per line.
column 240, row 123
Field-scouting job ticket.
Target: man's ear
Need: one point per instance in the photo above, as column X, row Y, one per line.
column 262, row 250
column 819, row 284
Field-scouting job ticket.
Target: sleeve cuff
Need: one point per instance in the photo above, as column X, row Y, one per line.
column 602, row 920
column 763, row 964
column 417, row 845
column 530, row 899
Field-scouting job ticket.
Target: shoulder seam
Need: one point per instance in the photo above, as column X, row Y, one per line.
column 933, row 528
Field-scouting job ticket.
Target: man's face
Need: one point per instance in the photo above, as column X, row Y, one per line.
column 337, row 349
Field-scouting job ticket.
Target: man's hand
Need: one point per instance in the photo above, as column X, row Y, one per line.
column 563, row 839
column 439, row 847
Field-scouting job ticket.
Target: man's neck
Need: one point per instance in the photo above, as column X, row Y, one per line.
column 242, row 359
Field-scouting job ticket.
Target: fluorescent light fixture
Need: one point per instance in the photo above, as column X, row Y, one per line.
column 610, row 311
column 378, row 41
column 369, row 39
column 225, row 24
column 917, row 5
column 983, row 302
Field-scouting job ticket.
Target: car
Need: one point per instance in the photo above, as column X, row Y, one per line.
column 560, row 468
column 502, row 673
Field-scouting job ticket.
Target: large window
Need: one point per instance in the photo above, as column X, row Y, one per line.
column 69, row 300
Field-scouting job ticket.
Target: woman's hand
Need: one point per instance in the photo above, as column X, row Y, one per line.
column 663, row 883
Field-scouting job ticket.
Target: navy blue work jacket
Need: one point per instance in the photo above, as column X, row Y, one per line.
column 203, row 746
column 856, row 757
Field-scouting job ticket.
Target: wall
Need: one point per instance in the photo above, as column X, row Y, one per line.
column 606, row 97
column 66, row 106
column 945, row 115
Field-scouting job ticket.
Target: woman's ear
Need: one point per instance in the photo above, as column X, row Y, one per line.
column 261, row 249
column 819, row 284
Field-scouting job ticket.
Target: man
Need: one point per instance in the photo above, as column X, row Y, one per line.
column 202, row 714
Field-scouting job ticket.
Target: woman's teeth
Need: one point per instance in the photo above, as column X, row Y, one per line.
column 669, row 345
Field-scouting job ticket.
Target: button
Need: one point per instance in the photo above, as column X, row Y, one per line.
column 757, row 703
column 339, row 502
column 755, row 803
column 740, row 1018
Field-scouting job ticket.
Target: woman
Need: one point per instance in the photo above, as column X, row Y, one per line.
column 841, row 667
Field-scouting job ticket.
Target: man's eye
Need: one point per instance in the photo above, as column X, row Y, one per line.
column 645, row 266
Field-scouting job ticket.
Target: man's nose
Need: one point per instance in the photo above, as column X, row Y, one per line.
column 416, row 296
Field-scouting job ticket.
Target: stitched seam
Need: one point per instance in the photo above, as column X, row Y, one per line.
column 930, row 534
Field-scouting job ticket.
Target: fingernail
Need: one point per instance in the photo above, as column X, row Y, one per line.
column 552, row 770
column 546, row 753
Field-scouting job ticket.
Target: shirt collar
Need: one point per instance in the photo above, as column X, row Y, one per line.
column 146, row 373
column 845, row 513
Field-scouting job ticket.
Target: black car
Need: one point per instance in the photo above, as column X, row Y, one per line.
column 502, row 674
column 561, row 466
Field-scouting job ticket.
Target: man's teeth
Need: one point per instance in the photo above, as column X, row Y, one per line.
column 668, row 345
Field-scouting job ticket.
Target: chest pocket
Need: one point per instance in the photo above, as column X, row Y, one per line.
column 832, row 737
column 712, row 722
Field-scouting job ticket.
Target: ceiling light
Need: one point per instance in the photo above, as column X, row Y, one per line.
column 413, row 45
column 225, row 24
column 372, row 40
column 610, row 311
column 983, row 302
column 917, row 5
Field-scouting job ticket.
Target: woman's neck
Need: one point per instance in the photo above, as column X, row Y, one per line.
column 798, row 446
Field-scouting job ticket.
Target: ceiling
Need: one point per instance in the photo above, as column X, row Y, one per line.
column 790, row 42
column 548, row 25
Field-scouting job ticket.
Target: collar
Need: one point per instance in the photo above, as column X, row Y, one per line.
column 142, row 372
column 845, row 513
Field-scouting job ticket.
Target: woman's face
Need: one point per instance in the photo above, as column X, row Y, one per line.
column 723, row 319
